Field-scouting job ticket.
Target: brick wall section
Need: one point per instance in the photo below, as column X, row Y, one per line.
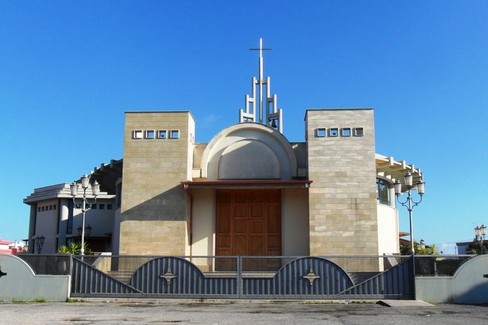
column 342, row 197
column 154, row 210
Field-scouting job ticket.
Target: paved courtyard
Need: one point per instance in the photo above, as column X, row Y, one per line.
column 221, row 312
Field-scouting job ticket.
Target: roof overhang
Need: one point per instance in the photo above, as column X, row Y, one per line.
column 245, row 184
column 389, row 168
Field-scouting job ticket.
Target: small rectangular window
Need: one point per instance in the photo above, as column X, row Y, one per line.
column 78, row 205
column 38, row 209
column 149, row 134
column 54, row 207
column 94, row 206
column 174, row 134
column 162, row 134
column 358, row 132
column 333, row 132
column 320, row 132
column 101, row 206
column 346, row 132
column 137, row 134
column 109, row 206
column 50, row 207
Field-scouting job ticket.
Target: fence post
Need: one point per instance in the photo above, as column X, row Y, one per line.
column 239, row 277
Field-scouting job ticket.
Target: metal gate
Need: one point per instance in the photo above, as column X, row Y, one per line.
column 239, row 278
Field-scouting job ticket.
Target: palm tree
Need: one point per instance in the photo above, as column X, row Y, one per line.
column 74, row 248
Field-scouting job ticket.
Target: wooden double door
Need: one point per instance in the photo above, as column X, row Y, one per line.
column 248, row 222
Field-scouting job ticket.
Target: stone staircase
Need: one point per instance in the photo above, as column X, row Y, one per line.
column 122, row 276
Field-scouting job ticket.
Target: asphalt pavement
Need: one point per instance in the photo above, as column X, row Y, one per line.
column 239, row 312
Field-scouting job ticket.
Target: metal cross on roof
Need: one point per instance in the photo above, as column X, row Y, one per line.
column 264, row 108
column 261, row 59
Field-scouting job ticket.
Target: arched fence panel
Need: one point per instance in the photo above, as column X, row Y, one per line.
column 236, row 277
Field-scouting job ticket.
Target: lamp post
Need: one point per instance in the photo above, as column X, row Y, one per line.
column 421, row 245
column 480, row 233
column 39, row 243
column 409, row 202
column 95, row 189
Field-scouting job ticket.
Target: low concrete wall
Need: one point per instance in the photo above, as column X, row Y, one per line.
column 18, row 282
column 470, row 282
column 469, row 285
column 433, row 289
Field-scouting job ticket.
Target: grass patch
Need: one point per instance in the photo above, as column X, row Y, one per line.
column 37, row 301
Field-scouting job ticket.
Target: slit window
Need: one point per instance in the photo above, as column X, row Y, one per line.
column 174, row 134
column 333, row 132
column 358, row 132
column 346, row 132
column 162, row 134
column 149, row 134
column 320, row 132
column 137, row 134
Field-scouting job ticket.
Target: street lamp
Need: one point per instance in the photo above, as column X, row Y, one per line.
column 421, row 245
column 409, row 202
column 95, row 188
column 39, row 243
column 479, row 233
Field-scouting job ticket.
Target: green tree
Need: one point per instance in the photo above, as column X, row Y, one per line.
column 477, row 248
column 420, row 249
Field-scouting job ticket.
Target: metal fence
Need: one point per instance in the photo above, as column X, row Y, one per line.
column 338, row 277
column 297, row 277
column 439, row 265
column 48, row 264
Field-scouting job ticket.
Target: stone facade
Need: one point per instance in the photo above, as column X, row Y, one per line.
column 158, row 155
column 342, row 197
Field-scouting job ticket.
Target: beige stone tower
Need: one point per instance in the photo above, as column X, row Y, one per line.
column 342, row 197
column 158, row 156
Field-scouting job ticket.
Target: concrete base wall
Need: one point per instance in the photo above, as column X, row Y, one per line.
column 468, row 285
column 433, row 289
column 21, row 284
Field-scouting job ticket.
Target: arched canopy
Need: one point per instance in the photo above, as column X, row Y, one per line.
column 248, row 151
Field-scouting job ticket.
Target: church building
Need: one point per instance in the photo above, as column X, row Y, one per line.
column 250, row 191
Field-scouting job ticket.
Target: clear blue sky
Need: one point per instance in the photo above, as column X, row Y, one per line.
column 70, row 69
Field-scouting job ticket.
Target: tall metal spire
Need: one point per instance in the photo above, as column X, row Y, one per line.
column 263, row 109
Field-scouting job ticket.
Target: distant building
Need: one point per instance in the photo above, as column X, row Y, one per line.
column 249, row 191
column 10, row 247
column 463, row 247
column 55, row 219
